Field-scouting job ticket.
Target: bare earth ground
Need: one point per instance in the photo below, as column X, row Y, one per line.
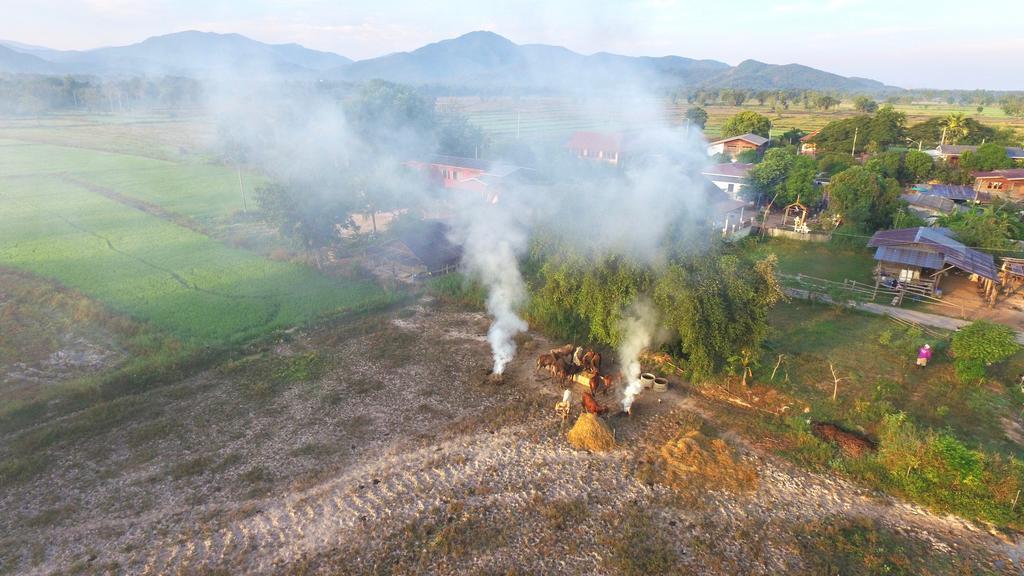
column 398, row 456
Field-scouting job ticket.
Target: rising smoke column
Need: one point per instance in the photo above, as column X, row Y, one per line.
column 492, row 240
column 639, row 325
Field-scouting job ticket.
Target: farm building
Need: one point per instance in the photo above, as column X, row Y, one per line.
column 1007, row 183
column 734, row 145
column 416, row 253
column 918, row 258
column 951, row 153
column 729, row 178
column 482, row 176
column 731, row 216
column 603, row 146
column 807, row 145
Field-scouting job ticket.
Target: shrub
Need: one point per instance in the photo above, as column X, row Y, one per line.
column 980, row 344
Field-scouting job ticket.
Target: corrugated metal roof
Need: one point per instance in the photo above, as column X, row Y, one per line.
column 953, row 192
column 909, row 257
column 1010, row 174
column 754, row 139
column 940, row 241
column 928, row 201
column 603, row 141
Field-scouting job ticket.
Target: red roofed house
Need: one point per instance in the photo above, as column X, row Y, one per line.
column 807, row 145
column 730, row 177
column 481, row 176
column 605, row 146
column 1007, row 183
column 734, row 145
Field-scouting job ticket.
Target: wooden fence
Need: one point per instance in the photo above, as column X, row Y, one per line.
column 830, row 290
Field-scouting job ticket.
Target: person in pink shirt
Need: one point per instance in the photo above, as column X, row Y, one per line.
column 924, row 355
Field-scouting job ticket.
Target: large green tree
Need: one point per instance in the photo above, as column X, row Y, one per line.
column 697, row 116
column 986, row 157
column 746, row 122
column 866, row 200
column 716, row 305
column 918, row 165
column 784, row 176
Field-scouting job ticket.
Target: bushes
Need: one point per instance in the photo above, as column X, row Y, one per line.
column 978, row 345
column 938, row 470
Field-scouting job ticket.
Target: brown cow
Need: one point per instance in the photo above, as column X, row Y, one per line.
column 591, row 405
column 595, row 362
column 587, row 362
column 545, row 360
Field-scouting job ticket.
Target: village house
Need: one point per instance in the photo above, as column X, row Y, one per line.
column 471, row 174
column 807, row 145
column 918, row 258
column 730, row 178
column 927, row 206
column 951, row 153
column 1006, row 183
column 734, row 145
column 603, row 146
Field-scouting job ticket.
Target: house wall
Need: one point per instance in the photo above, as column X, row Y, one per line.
column 1001, row 186
column 609, row 156
column 731, row 188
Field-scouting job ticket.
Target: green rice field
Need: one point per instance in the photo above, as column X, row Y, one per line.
column 61, row 219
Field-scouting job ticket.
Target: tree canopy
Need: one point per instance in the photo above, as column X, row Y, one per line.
column 866, row 200
column 716, row 305
column 785, row 176
column 986, row 157
column 698, row 116
column 746, row 122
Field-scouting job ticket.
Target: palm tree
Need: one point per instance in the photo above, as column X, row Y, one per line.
column 954, row 127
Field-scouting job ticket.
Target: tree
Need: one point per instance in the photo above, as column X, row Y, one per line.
column 718, row 307
column 697, row 116
column 746, row 122
column 955, row 128
column 865, row 104
column 918, row 166
column 887, row 164
column 768, row 178
column 887, row 128
column 826, row 101
column 311, row 216
column 978, row 345
column 864, row 199
column 991, row 227
column 457, row 137
column 1013, row 105
column 834, row 163
column 986, row 157
column 748, row 156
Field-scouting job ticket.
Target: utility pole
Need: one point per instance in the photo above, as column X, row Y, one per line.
column 241, row 190
column 853, row 151
column 943, row 136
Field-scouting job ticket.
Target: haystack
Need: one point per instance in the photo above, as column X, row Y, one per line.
column 591, row 433
column 694, row 459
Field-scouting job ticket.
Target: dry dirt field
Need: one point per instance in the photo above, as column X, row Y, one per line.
column 378, row 446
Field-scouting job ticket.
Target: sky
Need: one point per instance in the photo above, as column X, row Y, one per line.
column 907, row 43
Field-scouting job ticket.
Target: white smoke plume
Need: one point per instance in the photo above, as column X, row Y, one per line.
column 492, row 240
column 639, row 327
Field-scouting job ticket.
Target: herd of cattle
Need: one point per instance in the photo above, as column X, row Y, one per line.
column 574, row 364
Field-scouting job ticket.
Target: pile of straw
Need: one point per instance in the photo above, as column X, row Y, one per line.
column 693, row 459
column 591, row 433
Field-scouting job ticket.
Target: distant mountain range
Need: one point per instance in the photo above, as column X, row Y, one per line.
column 481, row 60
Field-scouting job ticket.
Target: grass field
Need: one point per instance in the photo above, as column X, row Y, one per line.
column 821, row 260
column 126, row 232
column 558, row 118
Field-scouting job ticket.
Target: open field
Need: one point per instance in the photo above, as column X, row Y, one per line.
column 139, row 239
column 379, row 447
column 557, row 118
